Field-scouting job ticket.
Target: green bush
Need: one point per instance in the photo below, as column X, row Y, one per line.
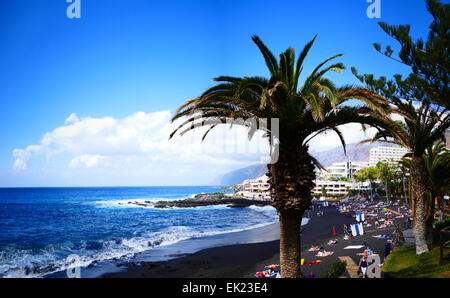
column 218, row 195
column 336, row 269
column 439, row 226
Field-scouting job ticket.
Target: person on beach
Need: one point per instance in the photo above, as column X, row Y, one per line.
column 270, row 273
column 322, row 252
column 363, row 266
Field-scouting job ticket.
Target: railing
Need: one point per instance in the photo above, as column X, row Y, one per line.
column 443, row 245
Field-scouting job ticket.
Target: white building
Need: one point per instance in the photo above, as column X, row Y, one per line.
column 345, row 169
column 332, row 187
column 256, row 189
column 386, row 154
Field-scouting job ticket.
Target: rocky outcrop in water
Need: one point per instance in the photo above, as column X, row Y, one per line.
column 202, row 200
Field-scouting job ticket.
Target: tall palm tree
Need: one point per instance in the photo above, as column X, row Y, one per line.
column 422, row 127
column 303, row 111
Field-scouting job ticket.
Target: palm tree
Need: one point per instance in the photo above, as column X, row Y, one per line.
column 224, row 189
column 368, row 174
column 235, row 189
column 303, row 111
column 405, row 174
column 437, row 162
column 422, row 127
column 386, row 174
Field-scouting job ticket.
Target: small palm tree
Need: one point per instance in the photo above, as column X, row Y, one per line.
column 423, row 126
column 437, row 162
column 386, row 174
column 304, row 111
column 235, row 188
column 224, row 189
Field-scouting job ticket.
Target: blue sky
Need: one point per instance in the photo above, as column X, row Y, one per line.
column 129, row 56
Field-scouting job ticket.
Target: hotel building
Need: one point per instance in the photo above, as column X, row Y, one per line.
column 386, row 154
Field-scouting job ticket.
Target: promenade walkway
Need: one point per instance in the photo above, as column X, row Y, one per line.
column 352, row 268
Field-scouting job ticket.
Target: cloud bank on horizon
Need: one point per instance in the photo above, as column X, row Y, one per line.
column 136, row 150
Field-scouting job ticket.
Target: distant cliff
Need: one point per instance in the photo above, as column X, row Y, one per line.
column 354, row 153
column 237, row 176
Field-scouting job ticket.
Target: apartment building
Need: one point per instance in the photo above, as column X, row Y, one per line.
column 386, row 154
column 345, row 169
column 332, row 187
column 255, row 189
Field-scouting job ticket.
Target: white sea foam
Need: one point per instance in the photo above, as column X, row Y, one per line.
column 52, row 259
column 30, row 265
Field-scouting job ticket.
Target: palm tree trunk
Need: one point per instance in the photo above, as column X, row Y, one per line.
column 291, row 181
column 418, row 174
column 290, row 223
column 429, row 218
column 387, row 191
column 404, row 189
column 441, row 208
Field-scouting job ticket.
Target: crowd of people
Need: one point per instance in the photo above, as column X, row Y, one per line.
column 371, row 216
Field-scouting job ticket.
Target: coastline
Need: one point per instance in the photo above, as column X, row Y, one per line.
column 240, row 260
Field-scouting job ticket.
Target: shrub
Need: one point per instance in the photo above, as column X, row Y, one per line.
column 439, row 226
column 218, row 195
column 336, row 269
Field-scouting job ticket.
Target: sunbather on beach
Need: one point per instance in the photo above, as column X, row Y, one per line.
column 270, row 273
column 332, row 242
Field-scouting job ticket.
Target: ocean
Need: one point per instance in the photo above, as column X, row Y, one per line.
column 41, row 227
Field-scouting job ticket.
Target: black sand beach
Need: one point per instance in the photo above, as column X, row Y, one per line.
column 244, row 260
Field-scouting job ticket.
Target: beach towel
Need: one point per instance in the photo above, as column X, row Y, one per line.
column 360, row 217
column 314, row 262
column 354, row 247
column 381, row 236
column 313, row 249
column 357, row 229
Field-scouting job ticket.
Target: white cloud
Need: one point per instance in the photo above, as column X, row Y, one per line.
column 71, row 119
column 21, row 156
column 137, row 150
column 87, row 161
column 353, row 133
column 137, row 140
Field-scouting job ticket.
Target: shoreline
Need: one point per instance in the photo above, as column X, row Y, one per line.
column 236, row 260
